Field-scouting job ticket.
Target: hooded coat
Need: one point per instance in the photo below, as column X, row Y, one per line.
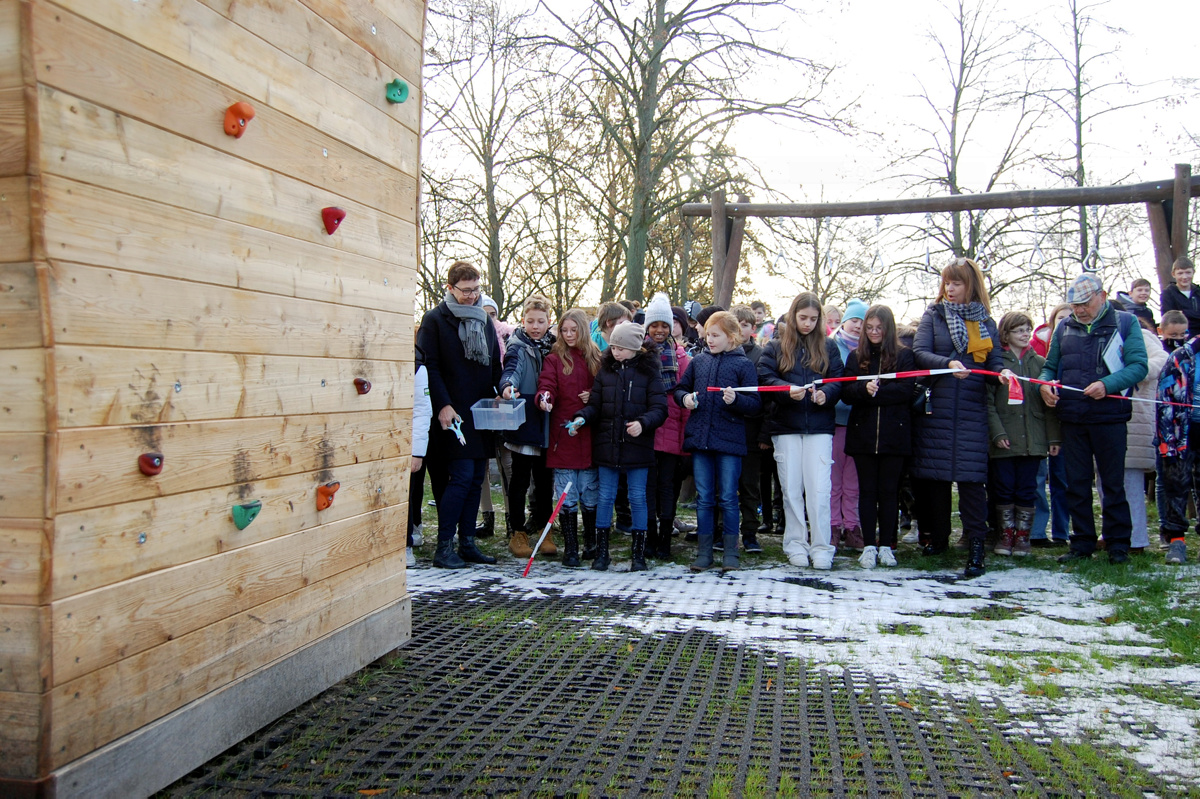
column 879, row 425
column 566, row 451
column 787, row 416
column 623, row 392
column 713, row 425
column 1139, row 448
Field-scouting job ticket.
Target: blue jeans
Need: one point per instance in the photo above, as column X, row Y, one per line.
column 636, row 480
column 1060, row 513
column 716, row 475
column 1041, row 505
column 585, row 487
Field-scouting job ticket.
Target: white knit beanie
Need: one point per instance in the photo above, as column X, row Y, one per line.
column 659, row 310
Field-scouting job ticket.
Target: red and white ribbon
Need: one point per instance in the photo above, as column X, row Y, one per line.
column 553, row 516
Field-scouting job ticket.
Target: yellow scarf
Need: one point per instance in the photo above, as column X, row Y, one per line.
column 976, row 346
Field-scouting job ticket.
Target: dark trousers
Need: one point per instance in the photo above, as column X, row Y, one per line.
column 770, row 494
column 1103, row 444
column 933, row 509
column 879, row 497
column 416, row 498
column 1180, row 478
column 1060, row 517
column 456, row 487
column 749, row 489
column 524, row 469
column 1014, row 481
column 662, row 487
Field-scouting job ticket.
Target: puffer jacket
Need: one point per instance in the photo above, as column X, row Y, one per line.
column 786, row 416
column 625, row 391
column 715, row 426
column 1176, row 388
column 1139, row 449
column 565, row 451
column 879, row 425
column 669, row 437
column 951, row 443
column 522, row 367
column 1029, row 426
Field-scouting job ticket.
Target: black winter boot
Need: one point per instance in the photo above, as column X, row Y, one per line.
column 704, row 553
column 589, row 533
column 486, row 528
column 469, row 552
column 602, row 560
column 975, row 548
column 651, row 536
column 663, row 552
column 445, row 557
column 637, row 547
column 570, row 530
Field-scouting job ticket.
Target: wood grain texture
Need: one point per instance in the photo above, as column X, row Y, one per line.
column 105, row 626
column 12, row 132
column 85, row 142
column 23, row 633
column 21, row 725
column 202, row 40
column 118, row 386
column 22, row 385
column 23, row 553
column 98, row 466
column 20, row 306
column 84, row 60
column 103, row 546
column 409, row 15
column 91, row 225
column 10, row 45
column 15, row 242
column 22, row 475
column 101, row 706
column 312, row 41
column 110, row 308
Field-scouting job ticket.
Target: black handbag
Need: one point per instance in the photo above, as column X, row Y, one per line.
column 922, row 400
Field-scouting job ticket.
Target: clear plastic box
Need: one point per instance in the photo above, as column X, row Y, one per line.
column 498, row 414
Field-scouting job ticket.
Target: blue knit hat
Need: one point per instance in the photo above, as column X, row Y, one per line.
column 855, row 309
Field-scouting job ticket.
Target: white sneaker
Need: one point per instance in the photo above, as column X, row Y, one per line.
column 418, row 538
column 822, row 560
column 867, row 558
column 911, row 537
column 410, row 560
column 800, row 560
column 886, row 558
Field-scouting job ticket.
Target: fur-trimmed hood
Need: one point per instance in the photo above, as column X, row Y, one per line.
column 645, row 362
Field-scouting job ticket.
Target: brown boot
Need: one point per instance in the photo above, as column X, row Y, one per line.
column 519, row 544
column 1008, row 535
column 548, row 548
column 1021, row 545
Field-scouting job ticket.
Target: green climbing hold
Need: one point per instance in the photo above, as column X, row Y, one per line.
column 244, row 514
column 397, row 91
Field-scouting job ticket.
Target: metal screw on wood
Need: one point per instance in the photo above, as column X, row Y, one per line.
column 372, row 30
column 142, row 538
column 178, row 386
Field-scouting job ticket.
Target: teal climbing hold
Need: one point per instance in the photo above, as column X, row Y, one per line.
column 397, row 91
column 246, row 513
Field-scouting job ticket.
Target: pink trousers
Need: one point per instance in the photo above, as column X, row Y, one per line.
column 843, row 504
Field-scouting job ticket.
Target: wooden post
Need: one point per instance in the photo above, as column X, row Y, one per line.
column 1161, row 240
column 685, row 261
column 1179, row 216
column 723, row 291
column 720, row 244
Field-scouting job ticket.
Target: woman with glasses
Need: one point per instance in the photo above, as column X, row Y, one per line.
column 462, row 356
column 950, row 441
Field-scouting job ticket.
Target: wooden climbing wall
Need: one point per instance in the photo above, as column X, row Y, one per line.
column 167, row 289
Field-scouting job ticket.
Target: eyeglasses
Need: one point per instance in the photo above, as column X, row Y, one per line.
column 475, row 292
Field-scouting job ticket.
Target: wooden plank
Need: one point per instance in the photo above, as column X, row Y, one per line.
column 90, row 144
column 10, row 45
column 99, row 707
column 159, row 753
column 82, row 59
column 117, row 386
column 407, row 15
column 103, row 546
column 15, row 242
column 22, row 475
column 20, row 730
column 22, row 387
column 202, row 40
column 98, row 466
column 1179, row 210
column 105, row 626
column 392, row 32
column 314, row 42
column 20, row 306
column 92, row 225
column 12, row 132
column 22, row 554
column 110, row 308
column 1160, row 240
column 22, row 633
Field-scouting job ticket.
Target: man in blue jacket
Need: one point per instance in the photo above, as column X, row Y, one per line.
column 1095, row 354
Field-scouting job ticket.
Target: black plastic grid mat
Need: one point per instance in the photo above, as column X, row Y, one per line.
column 496, row 696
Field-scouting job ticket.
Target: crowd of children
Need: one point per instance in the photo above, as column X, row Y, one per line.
column 620, row 410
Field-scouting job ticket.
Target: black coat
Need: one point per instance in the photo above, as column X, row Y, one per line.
column 456, row 381
column 714, row 426
column 1172, row 299
column 951, row 444
column 880, row 425
column 626, row 391
column 786, row 415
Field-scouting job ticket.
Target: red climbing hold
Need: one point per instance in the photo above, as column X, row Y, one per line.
column 325, row 495
column 150, row 464
column 332, row 217
column 237, row 116
column 363, row 386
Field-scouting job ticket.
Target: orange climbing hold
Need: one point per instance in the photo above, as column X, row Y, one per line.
column 325, row 495
column 237, row 116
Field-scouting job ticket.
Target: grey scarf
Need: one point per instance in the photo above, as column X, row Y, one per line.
column 472, row 329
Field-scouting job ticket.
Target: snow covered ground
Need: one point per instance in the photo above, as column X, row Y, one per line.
column 1035, row 640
